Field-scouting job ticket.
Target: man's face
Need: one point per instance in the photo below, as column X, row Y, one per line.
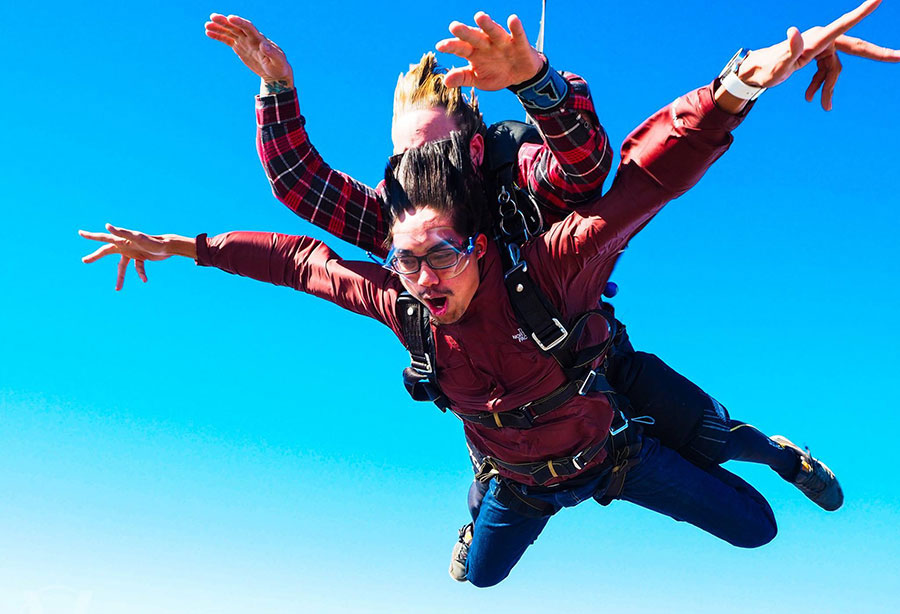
column 445, row 292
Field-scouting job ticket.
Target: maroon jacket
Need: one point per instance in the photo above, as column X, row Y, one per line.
column 482, row 364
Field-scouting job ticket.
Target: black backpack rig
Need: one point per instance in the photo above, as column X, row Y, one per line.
column 516, row 219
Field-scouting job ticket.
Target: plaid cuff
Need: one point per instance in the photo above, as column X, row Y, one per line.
column 277, row 108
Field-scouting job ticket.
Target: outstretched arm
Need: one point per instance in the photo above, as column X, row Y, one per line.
column 669, row 153
column 300, row 263
column 299, row 177
column 570, row 167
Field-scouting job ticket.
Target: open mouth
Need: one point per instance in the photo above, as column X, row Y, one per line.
column 437, row 305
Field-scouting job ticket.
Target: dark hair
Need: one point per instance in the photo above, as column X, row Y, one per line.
column 440, row 175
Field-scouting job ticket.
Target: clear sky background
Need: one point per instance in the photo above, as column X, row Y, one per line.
column 205, row 443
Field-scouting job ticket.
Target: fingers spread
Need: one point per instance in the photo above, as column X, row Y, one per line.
column 816, row 83
column 460, row 77
column 491, row 28
column 220, row 24
column 220, row 29
column 848, row 20
column 516, row 29
column 473, row 36
column 97, row 236
column 124, row 233
column 99, row 253
column 831, row 78
column 456, row 47
column 864, row 49
column 139, row 267
column 244, row 26
column 120, row 277
column 795, row 41
column 221, row 38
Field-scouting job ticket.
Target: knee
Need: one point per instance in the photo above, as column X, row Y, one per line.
column 764, row 533
column 483, row 578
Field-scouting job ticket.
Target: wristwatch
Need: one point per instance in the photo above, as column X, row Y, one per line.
column 728, row 78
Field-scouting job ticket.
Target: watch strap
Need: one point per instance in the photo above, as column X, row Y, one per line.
column 732, row 83
column 737, row 88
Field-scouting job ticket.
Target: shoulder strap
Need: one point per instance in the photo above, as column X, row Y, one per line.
column 414, row 323
column 503, row 140
column 548, row 329
column 517, row 216
column 419, row 377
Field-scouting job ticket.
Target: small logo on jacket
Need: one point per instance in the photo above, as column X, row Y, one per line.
column 520, row 336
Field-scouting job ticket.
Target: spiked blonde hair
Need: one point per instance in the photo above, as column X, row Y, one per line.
column 423, row 88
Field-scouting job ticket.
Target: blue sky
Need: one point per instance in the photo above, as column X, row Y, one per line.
column 205, row 443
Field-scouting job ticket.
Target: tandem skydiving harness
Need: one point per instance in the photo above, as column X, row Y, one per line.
column 516, row 220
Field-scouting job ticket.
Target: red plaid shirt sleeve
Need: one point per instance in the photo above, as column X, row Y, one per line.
column 330, row 199
column 570, row 168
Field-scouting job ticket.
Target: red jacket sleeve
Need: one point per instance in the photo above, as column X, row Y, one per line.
column 306, row 265
column 663, row 158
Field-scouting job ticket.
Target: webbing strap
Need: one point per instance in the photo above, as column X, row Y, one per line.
column 547, row 327
column 419, row 378
column 414, row 324
column 543, row 471
column 523, row 417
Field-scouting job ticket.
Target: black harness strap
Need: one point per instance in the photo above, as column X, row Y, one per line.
column 518, row 217
column 523, row 417
column 544, row 471
column 419, row 378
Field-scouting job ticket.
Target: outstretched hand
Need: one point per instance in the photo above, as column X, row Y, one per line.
column 497, row 58
column 773, row 65
column 257, row 52
column 132, row 245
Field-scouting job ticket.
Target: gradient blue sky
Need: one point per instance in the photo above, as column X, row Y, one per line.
column 205, row 443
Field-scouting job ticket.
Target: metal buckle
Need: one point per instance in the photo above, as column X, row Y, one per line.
column 487, row 470
column 563, row 334
column 576, row 462
column 587, row 383
column 428, row 368
column 614, row 432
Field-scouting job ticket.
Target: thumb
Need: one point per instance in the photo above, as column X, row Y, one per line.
column 460, row 77
column 795, row 41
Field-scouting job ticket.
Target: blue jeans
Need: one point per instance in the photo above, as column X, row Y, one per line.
column 714, row 500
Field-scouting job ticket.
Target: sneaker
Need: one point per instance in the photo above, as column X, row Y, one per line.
column 461, row 553
column 814, row 479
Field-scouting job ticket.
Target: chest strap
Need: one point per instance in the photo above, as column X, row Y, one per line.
column 540, row 319
column 544, row 471
column 523, row 417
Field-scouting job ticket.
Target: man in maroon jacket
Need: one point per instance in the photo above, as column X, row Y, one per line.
column 443, row 259
column 564, row 172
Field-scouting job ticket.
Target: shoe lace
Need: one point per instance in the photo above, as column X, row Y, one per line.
column 815, row 479
column 462, row 533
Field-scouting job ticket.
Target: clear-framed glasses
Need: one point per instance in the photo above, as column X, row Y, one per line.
column 448, row 258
